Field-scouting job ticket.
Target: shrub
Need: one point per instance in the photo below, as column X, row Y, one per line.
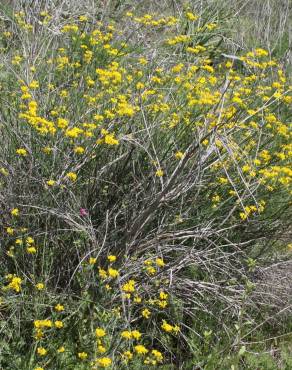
column 142, row 184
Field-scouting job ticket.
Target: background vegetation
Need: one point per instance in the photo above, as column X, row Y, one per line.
column 145, row 184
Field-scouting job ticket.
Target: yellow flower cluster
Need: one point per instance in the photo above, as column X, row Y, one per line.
column 178, row 40
column 14, row 283
column 150, row 20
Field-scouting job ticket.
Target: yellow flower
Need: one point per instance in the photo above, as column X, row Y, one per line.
column 40, row 286
column 179, row 155
column 83, row 18
column 22, row 152
column 15, row 283
column 126, row 334
column 223, row 180
column 74, row 132
column 16, row 60
column 143, row 61
column 163, row 295
column 139, row 85
column 162, row 304
column 129, row 287
column 10, row 231
column 15, row 212
column 110, row 140
column 159, row 173
column 70, row 28
column 102, row 273
column 10, row 252
column 34, row 85
column 51, row 182
column 29, row 240
column 111, row 258
column 146, row 313
column 39, row 334
column 61, row 349
column 127, row 355
column 82, row 355
column 92, row 261
column 136, row 334
column 166, row 327
column 99, row 332
column 31, row 250
column 101, row 348
column 98, row 117
column 72, row 176
column 151, row 270
column 79, row 150
column 41, row 351
column 140, row 349
column 246, row 168
column 261, row 52
column 59, row 307
column 113, row 273
column 39, row 368
column 159, row 262
column 211, row 26
column 191, row 16
column 137, row 299
column 3, row 171
column 42, row 324
column 216, row 198
column 59, row 324
column 177, row 68
column 103, row 362
column 47, row 150
column 157, row 354
column 64, row 93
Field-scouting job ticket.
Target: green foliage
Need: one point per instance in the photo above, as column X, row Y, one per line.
column 145, row 186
